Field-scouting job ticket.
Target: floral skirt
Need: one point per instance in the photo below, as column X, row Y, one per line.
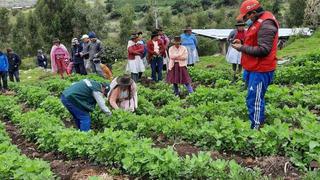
column 178, row 75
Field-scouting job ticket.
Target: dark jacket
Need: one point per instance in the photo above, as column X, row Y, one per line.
column 80, row 94
column 76, row 54
column 42, row 60
column 14, row 62
column 3, row 62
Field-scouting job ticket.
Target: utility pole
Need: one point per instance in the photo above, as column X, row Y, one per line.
column 156, row 14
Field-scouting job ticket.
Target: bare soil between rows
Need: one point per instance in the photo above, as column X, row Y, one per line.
column 271, row 166
column 61, row 166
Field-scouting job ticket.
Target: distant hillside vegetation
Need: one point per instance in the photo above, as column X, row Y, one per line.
column 17, row 3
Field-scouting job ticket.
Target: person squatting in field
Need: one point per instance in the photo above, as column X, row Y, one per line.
column 81, row 98
column 59, row 57
column 123, row 94
column 259, row 51
column 178, row 72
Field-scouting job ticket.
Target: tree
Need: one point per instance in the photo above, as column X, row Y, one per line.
column 312, row 13
column 19, row 35
column 4, row 27
column 96, row 18
column 295, row 14
column 64, row 19
column 109, row 5
column 34, row 38
column 126, row 23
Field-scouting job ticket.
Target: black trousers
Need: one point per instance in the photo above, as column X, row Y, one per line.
column 80, row 69
column 14, row 75
column 4, row 79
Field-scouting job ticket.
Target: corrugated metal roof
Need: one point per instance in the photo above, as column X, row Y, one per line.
column 222, row 34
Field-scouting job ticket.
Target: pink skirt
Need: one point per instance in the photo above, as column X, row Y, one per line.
column 178, row 75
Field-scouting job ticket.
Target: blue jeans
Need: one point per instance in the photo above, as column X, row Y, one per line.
column 156, row 67
column 257, row 87
column 81, row 118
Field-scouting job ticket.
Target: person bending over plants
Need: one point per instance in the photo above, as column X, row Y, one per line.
column 80, row 99
column 123, row 94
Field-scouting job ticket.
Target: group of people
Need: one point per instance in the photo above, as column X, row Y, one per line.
column 84, row 57
column 81, row 97
column 255, row 50
column 157, row 53
column 9, row 65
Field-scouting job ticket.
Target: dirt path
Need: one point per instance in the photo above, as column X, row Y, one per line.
column 78, row 169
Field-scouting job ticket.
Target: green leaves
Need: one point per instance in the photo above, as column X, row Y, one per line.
column 13, row 165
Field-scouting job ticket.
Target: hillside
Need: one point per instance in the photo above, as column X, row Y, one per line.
column 17, row 3
column 300, row 46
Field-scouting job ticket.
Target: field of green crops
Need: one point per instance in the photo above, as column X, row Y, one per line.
column 205, row 135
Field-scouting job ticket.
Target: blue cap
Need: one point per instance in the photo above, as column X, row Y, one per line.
column 92, row 35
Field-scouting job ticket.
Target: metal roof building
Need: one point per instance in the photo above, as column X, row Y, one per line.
column 222, row 34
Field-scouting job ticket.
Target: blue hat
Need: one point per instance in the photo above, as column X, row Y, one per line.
column 92, row 35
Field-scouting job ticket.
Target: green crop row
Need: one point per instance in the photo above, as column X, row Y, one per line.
column 202, row 124
column 135, row 155
column 13, row 165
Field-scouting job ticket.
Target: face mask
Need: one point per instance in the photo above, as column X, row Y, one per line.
column 249, row 22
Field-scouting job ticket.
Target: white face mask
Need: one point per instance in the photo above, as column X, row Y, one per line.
column 249, row 22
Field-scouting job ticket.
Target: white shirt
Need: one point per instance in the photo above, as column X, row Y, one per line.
column 156, row 47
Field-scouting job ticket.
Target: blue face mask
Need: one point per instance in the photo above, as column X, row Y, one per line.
column 249, row 22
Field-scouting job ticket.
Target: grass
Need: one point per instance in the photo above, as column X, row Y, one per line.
column 302, row 46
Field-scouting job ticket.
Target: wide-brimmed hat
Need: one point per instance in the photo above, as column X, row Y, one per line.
column 133, row 36
column 124, row 80
column 154, row 34
column 176, row 39
column 240, row 23
column 188, row 28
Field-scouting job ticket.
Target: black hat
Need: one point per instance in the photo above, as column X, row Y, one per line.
column 134, row 36
column 154, row 34
column 176, row 39
column 240, row 23
column 124, row 80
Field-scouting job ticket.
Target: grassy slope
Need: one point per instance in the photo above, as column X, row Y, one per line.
column 302, row 46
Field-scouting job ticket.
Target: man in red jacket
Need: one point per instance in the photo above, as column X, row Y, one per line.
column 156, row 53
column 259, row 51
